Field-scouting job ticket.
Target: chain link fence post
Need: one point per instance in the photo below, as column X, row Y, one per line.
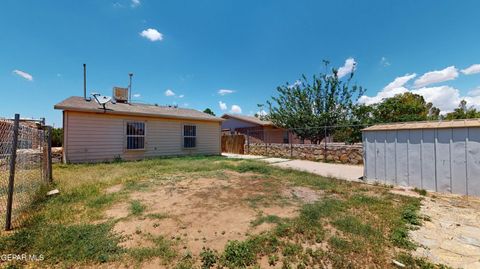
column 248, row 141
column 290, row 137
column 11, row 178
column 265, row 140
column 49, row 154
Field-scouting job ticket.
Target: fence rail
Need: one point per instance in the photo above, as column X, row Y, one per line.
column 25, row 165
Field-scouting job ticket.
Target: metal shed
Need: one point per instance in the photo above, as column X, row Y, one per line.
column 440, row 156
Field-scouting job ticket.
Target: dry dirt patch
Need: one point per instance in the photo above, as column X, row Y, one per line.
column 208, row 211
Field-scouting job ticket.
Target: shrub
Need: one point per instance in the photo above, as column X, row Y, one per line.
column 239, row 254
column 208, row 257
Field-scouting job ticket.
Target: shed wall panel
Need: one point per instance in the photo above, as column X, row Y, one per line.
column 380, row 164
column 390, row 157
column 370, row 155
column 415, row 158
column 428, row 160
column 458, row 157
column 443, row 159
column 402, row 157
column 473, row 161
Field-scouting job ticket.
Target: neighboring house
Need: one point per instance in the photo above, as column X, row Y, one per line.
column 259, row 131
column 134, row 131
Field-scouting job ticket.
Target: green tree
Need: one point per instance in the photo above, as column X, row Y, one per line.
column 463, row 112
column 361, row 117
column 209, row 111
column 308, row 105
column 404, row 107
column 57, row 137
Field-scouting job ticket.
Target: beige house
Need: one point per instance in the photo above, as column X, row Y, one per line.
column 133, row 131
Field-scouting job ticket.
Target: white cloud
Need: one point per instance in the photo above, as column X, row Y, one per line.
column 393, row 88
column 236, row 109
column 135, row 3
column 347, row 68
column 295, row 84
column 223, row 106
column 152, row 34
column 444, row 97
column 23, row 74
column 262, row 113
column 225, row 91
column 437, row 76
column 473, row 69
column 474, row 92
column 181, row 96
column 384, row 62
column 169, row 92
column 137, row 95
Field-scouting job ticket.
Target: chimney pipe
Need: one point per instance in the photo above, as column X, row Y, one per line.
column 130, row 88
column 84, row 81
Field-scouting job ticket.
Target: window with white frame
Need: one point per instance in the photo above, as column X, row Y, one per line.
column 189, row 136
column 135, row 135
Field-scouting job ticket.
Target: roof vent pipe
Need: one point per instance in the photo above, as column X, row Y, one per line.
column 130, row 88
column 84, row 81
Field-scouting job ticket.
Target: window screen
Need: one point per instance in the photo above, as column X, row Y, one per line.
column 135, row 135
column 189, row 136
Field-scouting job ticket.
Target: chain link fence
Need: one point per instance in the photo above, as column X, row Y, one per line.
column 25, row 165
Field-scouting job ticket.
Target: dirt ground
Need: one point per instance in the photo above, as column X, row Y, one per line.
column 452, row 234
column 207, row 212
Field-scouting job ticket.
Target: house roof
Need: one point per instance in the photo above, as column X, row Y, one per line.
column 250, row 119
column 76, row 103
column 425, row 125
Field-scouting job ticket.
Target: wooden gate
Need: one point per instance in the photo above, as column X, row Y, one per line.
column 233, row 144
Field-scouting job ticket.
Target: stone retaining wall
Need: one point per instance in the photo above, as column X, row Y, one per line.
column 335, row 153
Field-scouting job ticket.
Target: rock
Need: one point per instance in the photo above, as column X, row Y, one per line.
column 397, row 263
column 53, row 192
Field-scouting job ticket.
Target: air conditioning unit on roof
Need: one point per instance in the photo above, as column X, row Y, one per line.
column 120, row 94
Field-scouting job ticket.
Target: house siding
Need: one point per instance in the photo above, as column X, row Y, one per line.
column 94, row 137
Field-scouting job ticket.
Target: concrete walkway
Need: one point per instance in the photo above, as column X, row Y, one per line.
column 340, row 171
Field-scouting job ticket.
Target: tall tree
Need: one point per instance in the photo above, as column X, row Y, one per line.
column 405, row 107
column 463, row 112
column 209, row 111
column 308, row 105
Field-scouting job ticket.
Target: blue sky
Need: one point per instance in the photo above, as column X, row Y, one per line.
column 196, row 48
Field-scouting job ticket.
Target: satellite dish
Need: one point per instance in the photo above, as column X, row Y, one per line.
column 102, row 100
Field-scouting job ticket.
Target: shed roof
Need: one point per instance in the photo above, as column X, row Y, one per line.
column 76, row 103
column 425, row 125
column 250, row 119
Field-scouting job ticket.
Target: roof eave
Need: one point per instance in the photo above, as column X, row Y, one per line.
column 163, row 116
column 243, row 119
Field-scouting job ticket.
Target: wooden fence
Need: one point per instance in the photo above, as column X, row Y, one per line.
column 233, row 144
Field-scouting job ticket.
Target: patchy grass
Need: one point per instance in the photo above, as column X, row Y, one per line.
column 161, row 248
column 68, row 244
column 266, row 219
column 420, row 191
column 136, row 208
column 352, row 225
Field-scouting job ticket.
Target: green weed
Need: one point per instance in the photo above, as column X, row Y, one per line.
column 136, row 208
